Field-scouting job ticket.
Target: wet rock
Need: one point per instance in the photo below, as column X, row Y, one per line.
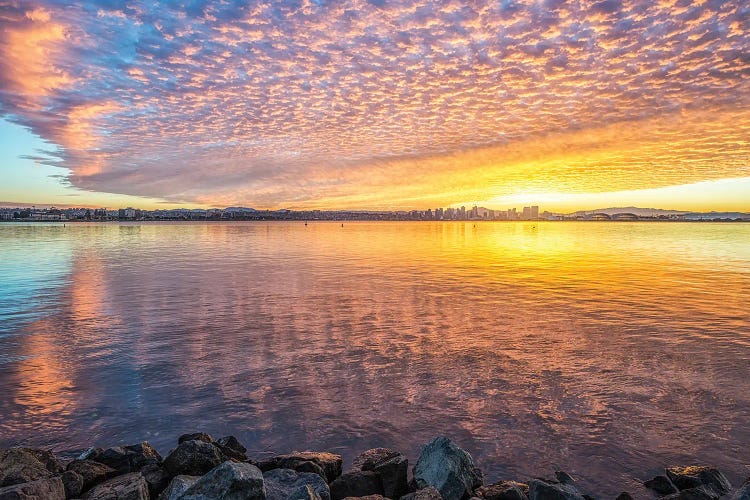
column 327, row 465
column 390, row 465
column 91, row 472
column 743, row 492
column 368, row 497
column 130, row 486
column 177, row 486
column 694, row 476
column 195, row 436
column 283, row 484
column 232, row 448
column 193, row 458
column 428, row 493
column 503, row 490
column 73, row 484
column 544, row 490
column 624, row 496
column 51, row 488
column 448, row 468
column 228, row 481
column 131, row 458
column 356, row 484
column 156, row 477
column 702, row 492
column 21, row 465
column 563, row 477
column 661, row 485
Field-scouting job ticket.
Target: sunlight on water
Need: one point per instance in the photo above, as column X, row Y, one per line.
column 606, row 349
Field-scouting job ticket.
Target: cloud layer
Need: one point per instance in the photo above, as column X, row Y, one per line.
column 377, row 103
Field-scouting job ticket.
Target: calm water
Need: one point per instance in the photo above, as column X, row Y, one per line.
column 607, row 349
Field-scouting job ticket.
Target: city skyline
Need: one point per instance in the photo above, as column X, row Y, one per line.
column 371, row 105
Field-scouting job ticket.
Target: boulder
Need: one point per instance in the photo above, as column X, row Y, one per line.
column 51, row 488
column 624, row 496
column 564, row 477
column 231, row 447
column 193, row 458
column 73, row 483
column 503, row 490
column 327, row 465
column 428, row 493
column 131, row 486
column 126, row 459
column 228, row 481
column 195, row 436
column 157, row 479
column 661, row 485
column 447, row 468
column 368, row 497
column 743, row 493
column 694, row 476
column 547, row 490
column 21, row 465
column 356, row 484
column 91, row 472
column 287, row 484
column 702, row 492
column 390, row 465
column 177, row 486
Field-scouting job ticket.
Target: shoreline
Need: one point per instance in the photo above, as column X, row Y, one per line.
column 203, row 468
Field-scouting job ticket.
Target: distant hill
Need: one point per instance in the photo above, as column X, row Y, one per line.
column 640, row 212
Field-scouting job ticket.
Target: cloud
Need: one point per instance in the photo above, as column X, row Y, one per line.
column 314, row 103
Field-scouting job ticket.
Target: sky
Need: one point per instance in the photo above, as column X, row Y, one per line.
column 376, row 104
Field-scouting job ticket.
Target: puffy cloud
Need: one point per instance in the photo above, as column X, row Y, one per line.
column 372, row 104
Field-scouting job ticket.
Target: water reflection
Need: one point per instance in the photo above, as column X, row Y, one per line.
column 593, row 347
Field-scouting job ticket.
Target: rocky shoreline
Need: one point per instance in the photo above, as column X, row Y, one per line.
column 201, row 468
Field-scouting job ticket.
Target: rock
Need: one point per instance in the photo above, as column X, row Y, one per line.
column 177, row 487
column 228, row 481
column 126, row 459
column 743, row 493
column 157, row 479
column 21, row 465
column 503, row 490
column 51, row 488
column 563, row 477
column 233, row 443
column 695, row 476
column 702, row 492
column 428, row 493
column 543, row 490
column 448, row 468
column 283, row 484
column 624, row 496
column 195, row 436
column 368, row 497
column 193, row 458
column 73, row 483
column 356, row 484
column 661, row 485
column 130, row 486
column 91, row 472
column 390, row 465
column 327, row 465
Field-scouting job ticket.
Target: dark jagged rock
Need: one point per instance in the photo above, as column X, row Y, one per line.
column 232, row 443
column 356, row 484
column 51, row 488
column 368, row 497
column 91, row 472
column 287, row 484
column 702, row 492
column 624, row 496
column 564, row 477
column 156, row 477
column 73, row 483
column 661, row 485
column 228, row 481
column 21, row 465
column 503, row 490
column 177, row 486
column 131, row 486
column 448, row 468
column 694, row 476
column 545, row 490
column 124, row 459
column 428, row 493
column 327, row 465
column 390, row 465
column 193, row 458
column 743, row 492
column 195, row 436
